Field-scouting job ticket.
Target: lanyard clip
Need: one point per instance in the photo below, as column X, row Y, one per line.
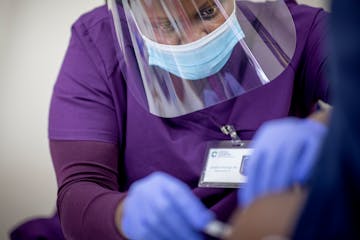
column 230, row 130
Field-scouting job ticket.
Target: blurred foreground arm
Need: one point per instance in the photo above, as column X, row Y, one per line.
column 272, row 217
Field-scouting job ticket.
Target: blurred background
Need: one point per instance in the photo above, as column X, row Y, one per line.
column 33, row 38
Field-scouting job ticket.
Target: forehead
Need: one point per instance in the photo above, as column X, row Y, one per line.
column 160, row 8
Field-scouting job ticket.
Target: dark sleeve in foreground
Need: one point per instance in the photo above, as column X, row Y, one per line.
column 88, row 190
column 332, row 210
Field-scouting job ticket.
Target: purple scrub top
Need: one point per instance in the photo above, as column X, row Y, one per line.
column 91, row 103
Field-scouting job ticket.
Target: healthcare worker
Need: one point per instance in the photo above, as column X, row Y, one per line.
column 148, row 87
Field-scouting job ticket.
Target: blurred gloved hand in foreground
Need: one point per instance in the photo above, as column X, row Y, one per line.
column 284, row 153
column 162, row 207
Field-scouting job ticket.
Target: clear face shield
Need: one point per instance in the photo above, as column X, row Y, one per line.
column 181, row 56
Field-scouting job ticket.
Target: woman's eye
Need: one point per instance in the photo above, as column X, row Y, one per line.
column 166, row 27
column 209, row 12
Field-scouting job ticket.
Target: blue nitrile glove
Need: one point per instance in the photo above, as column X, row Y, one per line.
column 284, row 153
column 162, row 207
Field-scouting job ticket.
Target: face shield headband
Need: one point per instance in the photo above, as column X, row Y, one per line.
column 183, row 56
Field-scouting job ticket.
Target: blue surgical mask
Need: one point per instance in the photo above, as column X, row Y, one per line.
column 201, row 58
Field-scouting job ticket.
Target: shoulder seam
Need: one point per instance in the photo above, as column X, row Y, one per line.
column 82, row 32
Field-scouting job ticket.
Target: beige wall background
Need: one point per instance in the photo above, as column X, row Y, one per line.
column 33, row 38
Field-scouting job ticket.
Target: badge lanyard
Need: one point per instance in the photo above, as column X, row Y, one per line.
column 225, row 161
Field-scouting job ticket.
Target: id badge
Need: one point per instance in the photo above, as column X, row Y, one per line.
column 225, row 164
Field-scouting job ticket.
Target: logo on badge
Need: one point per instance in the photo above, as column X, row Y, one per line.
column 214, row 154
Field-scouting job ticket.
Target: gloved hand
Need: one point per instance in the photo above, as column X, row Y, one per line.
column 284, row 153
column 162, row 207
